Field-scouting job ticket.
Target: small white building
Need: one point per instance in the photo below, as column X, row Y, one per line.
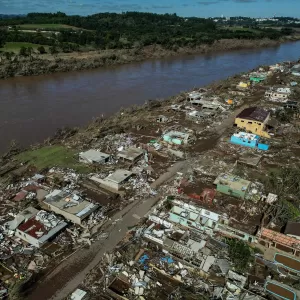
column 93, row 156
column 79, row 295
column 38, row 229
column 69, row 205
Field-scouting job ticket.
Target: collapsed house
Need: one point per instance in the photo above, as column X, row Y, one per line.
column 178, row 138
column 194, row 96
column 254, row 120
column 69, row 205
column 162, row 119
column 40, row 228
column 93, row 157
column 258, row 77
column 114, row 181
column 131, row 154
column 192, row 216
column 232, row 185
column 200, row 115
column 278, row 95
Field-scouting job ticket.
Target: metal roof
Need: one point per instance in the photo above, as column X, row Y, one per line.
column 254, row 113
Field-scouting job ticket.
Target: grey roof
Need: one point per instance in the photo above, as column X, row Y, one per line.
column 254, row 113
column 224, row 265
column 119, row 176
column 70, row 203
column 131, row 153
column 24, row 215
column 94, row 155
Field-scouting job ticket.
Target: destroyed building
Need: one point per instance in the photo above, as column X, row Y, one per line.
column 69, row 205
column 162, row 119
column 177, row 138
column 40, row 228
column 279, row 94
column 93, row 157
column 114, row 181
column 131, row 154
column 232, row 185
column 192, row 216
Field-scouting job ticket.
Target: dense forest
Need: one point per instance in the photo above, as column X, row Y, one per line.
column 125, row 31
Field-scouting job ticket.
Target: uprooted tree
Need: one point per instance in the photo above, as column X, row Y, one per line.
column 285, row 183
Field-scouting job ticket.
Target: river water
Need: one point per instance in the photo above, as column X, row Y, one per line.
column 33, row 108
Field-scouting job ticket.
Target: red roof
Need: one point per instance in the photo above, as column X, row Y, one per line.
column 31, row 227
column 20, row 196
column 279, row 238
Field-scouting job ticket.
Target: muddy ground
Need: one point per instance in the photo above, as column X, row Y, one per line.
column 64, row 62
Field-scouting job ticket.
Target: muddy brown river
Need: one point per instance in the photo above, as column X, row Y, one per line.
column 33, row 108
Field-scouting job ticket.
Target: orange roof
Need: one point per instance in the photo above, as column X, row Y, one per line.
column 279, row 238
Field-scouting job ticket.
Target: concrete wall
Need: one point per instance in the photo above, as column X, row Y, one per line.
column 253, row 126
column 27, row 238
column 261, row 146
column 243, row 142
column 65, row 214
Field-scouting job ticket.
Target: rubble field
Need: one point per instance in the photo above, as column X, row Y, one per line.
column 204, row 185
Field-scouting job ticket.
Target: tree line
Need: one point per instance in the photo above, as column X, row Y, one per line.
column 126, row 30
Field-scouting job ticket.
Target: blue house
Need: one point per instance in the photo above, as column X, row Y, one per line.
column 248, row 140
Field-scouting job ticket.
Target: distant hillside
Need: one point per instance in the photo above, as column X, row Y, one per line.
column 124, row 31
column 10, row 16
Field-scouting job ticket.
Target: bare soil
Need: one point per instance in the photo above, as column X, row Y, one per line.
column 64, row 62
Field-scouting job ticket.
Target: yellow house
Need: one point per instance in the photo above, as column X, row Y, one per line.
column 254, row 120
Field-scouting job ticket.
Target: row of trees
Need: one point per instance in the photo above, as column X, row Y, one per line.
column 128, row 30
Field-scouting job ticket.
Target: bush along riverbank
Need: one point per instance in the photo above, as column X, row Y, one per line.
column 36, row 64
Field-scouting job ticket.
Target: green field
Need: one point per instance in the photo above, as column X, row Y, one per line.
column 240, row 28
column 15, row 46
column 53, row 156
column 46, row 26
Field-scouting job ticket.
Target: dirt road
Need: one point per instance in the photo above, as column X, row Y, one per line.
column 65, row 278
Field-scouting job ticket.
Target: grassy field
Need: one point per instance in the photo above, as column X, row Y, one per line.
column 51, row 156
column 15, row 46
column 46, row 26
column 240, row 28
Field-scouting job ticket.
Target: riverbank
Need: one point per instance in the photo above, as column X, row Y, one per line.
column 64, row 62
column 200, row 161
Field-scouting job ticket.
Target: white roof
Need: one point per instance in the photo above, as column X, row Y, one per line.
column 78, row 294
column 245, row 135
column 209, row 214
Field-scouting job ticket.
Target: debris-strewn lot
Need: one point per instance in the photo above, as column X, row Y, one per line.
column 220, row 168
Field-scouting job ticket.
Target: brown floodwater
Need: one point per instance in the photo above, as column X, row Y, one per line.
column 33, row 108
